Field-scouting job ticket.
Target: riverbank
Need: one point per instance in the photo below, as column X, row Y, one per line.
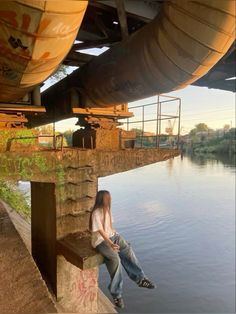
column 15, row 198
column 210, row 141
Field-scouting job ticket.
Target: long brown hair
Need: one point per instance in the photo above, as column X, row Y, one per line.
column 99, row 203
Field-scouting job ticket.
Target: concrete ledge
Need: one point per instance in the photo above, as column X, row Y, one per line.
column 77, row 249
column 22, row 289
column 54, row 166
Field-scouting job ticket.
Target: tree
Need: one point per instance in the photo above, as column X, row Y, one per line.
column 201, row 127
column 48, row 141
column 137, row 130
column 68, row 136
column 226, row 127
column 60, row 73
column 45, row 129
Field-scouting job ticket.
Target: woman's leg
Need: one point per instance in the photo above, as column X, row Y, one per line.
column 129, row 259
column 113, row 264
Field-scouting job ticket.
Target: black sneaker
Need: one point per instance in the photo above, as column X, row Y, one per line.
column 119, row 302
column 146, row 283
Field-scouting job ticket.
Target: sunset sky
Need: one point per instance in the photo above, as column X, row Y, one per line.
column 199, row 104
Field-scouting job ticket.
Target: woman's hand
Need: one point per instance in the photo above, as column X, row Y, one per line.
column 115, row 247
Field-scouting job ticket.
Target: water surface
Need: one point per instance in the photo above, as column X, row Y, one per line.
column 179, row 216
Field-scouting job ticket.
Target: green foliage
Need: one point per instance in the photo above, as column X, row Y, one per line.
column 60, row 73
column 223, row 143
column 15, row 198
column 200, row 127
column 137, row 131
column 11, row 134
column 48, row 130
column 68, row 137
column 45, row 129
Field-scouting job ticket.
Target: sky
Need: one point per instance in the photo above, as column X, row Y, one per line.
column 198, row 104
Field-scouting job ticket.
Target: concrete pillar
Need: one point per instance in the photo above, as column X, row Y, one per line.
column 59, row 209
column 43, row 230
column 77, row 290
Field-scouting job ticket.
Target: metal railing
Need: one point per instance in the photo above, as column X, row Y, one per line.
column 170, row 138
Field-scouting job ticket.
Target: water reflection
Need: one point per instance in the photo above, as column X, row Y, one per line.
column 226, row 160
column 179, row 216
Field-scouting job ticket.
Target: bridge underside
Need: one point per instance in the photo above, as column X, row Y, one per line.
column 98, row 30
column 105, row 24
column 64, row 181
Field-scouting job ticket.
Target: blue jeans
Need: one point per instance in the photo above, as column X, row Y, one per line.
column 114, row 260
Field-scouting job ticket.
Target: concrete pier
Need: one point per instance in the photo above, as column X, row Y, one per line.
column 63, row 187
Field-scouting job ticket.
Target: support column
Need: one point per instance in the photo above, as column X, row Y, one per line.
column 59, row 209
column 43, row 230
column 77, row 290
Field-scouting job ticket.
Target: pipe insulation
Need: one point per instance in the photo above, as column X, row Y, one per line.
column 35, row 37
column 178, row 47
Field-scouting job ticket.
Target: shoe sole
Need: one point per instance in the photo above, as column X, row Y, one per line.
column 148, row 287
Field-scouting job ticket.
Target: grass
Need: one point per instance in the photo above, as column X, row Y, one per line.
column 14, row 198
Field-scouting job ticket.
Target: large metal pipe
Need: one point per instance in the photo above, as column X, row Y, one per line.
column 35, row 36
column 177, row 48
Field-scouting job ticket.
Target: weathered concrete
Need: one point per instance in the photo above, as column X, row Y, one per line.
column 21, row 224
column 22, row 290
column 77, row 249
column 77, row 290
column 97, row 138
column 67, row 165
column 72, row 175
column 24, row 229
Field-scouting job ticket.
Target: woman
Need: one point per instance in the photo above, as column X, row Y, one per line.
column 115, row 249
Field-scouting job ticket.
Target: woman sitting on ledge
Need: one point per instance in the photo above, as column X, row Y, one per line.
column 115, row 249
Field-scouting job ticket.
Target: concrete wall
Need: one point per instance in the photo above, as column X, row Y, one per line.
column 22, row 289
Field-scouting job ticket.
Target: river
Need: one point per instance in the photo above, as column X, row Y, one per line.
column 179, row 216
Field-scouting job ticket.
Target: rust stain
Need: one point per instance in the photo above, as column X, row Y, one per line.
column 25, row 21
column 10, row 17
column 43, row 25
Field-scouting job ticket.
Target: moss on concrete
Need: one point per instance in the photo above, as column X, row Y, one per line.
column 24, row 166
column 8, row 134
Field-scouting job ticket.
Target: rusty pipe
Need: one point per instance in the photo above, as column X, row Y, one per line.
column 177, row 48
column 35, row 37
